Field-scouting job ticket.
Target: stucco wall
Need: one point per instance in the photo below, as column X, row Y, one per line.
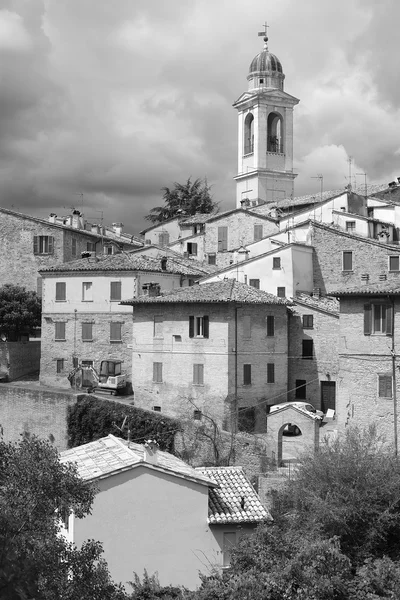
column 276, row 423
column 155, row 521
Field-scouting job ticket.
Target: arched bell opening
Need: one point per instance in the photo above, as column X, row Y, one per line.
column 249, row 134
column 275, row 133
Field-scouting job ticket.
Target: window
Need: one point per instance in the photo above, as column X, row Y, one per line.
column 276, row 262
column 270, row 325
column 197, row 414
column 90, row 247
column 212, row 259
column 59, row 331
column 246, row 374
column 87, row 363
column 308, row 321
column 307, row 348
column 191, row 249
column 147, row 242
column 229, row 542
column 384, row 386
column 270, row 373
column 246, row 327
column 258, row 232
column 157, row 408
column 347, row 261
column 255, row 283
column 281, row 292
column 301, row 389
column 247, row 419
column 43, row 244
column 198, row 327
column 61, row 291
column 87, row 332
column 108, row 250
column 163, row 239
column 394, row 263
column 350, row 226
column 115, row 291
column 249, row 134
column 115, row 332
column 222, row 239
column 60, row 365
column 158, row 326
column 198, row 374
column 378, row 319
column 157, row 372
column 73, row 247
column 87, row 292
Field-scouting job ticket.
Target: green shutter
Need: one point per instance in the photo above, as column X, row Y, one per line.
column 367, row 319
column 51, row 244
column 205, row 327
column 270, row 373
column 389, row 320
column 35, row 244
column 270, row 326
column 191, row 327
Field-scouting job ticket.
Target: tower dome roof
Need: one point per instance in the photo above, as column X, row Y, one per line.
column 265, row 61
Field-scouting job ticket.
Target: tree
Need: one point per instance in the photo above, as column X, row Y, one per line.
column 184, row 199
column 36, row 562
column 20, row 311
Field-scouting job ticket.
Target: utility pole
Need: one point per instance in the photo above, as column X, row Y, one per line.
column 321, row 180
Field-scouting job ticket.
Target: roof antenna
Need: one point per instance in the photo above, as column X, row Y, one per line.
column 121, row 429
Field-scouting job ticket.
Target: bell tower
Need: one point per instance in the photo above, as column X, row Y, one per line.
column 265, row 144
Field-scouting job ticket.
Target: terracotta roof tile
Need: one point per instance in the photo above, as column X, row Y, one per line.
column 319, row 302
column 110, row 454
column 235, row 500
column 127, row 262
column 228, row 290
column 386, row 287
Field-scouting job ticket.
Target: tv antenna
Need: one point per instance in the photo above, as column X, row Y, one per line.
column 321, row 180
column 121, row 429
column 365, row 183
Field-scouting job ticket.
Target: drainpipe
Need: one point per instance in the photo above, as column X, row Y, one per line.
column 235, row 405
column 393, row 353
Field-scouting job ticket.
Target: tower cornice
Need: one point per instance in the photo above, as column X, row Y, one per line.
column 272, row 96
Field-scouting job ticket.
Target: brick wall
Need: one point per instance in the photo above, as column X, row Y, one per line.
column 368, row 257
column 99, row 349
column 362, row 358
column 19, row 358
column 24, row 410
column 240, row 232
column 178, row 353
column 324, row 364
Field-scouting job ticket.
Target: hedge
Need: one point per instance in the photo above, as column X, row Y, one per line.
column 92, row 418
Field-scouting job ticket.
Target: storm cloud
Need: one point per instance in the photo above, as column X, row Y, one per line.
column 104, row 103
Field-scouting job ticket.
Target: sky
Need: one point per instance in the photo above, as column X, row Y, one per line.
column 104, row 103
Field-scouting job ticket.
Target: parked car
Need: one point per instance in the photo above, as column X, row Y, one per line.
column 291, row 428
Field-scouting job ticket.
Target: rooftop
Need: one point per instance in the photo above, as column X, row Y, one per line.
column 109, row 455
column 319, row 302
column 372, row 189
column 129, row 262
column 235, row 500
column 369, row 289
column 228, row 290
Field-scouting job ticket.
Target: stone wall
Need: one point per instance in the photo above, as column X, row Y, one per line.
column 97, row 350
column 28, row 411
column 369, row 257
column 19, row 358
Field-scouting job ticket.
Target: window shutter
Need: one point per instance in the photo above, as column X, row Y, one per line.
column 368, row 319
column 51, row 244
column 115, row 290
column 389, row 319
column 35, row 244
column 191, row 327
column 194, row 249
column 115, row 331
column 270, row 373
column 39, row 286
column 246, row 374
column 270, row 326
column 205, row 326
column 258, row 232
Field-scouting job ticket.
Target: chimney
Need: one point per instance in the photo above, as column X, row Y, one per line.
column 76, row 219
column 95, row 229
column 151, row 452
column 52, row 217
column 242, row 254
column 316, row 292
column 151, row 289
column 118, row 228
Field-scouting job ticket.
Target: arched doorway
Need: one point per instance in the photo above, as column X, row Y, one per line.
column 275, row 133
column 249, row 134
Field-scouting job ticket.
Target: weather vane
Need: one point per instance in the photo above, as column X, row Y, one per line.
column 264, row 33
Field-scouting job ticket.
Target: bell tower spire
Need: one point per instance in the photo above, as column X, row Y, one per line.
column 265, row 145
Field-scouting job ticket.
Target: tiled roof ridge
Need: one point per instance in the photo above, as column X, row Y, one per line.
column 354, row 236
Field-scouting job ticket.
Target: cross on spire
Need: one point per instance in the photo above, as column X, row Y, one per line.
column 264, row 34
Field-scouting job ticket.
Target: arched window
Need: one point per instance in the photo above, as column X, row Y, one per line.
column 275, row 133
column 249, row 134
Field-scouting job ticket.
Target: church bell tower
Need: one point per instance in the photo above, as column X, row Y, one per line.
column 265, row 146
